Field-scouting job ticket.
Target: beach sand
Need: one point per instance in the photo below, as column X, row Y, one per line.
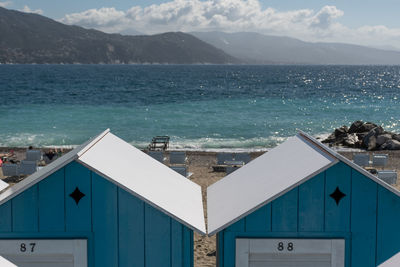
column 200, row 165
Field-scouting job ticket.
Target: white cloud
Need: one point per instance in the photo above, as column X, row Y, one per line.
column 233, row 16
column 5, row 4
column 28, row 10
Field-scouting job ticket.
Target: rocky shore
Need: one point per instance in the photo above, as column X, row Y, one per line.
column 364, row 135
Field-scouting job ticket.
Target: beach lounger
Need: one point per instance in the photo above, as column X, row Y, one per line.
column 177, row 157
column 222, row 157
column 182, row 170
column 10, row 169
column 245, row 157
column 159, row 142
column 27, row 167
column 389, row 177
column 33, row 155
column 157, row 155
column 361, row 159
column 47, row 160
column 380, row 160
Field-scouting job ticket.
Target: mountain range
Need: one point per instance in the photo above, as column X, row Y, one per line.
column 32, row 38
column 255, row 48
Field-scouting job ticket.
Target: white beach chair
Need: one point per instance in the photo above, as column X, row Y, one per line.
column 27, row 167
column 10, row 169
column 361, row 159
column 157, row 155
column 177, row 157
column 222, row 157
column 182, row 170
column 245, row 157
column 33, row 155
column 389, row 177
column 380, row 160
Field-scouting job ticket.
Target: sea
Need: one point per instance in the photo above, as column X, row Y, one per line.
column 201, row 107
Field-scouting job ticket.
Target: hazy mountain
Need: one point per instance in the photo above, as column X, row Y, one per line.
column 31, row 38
column 256, row 48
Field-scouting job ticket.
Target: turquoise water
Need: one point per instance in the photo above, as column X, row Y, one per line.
column 199, row 107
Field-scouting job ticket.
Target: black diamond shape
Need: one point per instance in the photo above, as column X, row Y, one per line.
column 337, row 195
column 77, row 195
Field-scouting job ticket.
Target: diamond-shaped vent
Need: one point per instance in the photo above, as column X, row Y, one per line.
column 77, row 195
column 337, row 195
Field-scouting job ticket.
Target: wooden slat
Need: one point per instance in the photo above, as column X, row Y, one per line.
column 337, row 217
column 259, row 220
column 157, row 238
column 105, row 221
column 51, row 203
column 131, row 229
column 388, row 234
column 176, row 244
column 311, row 204
column 284, row 212
column 5, row 217
column 78, row 216
column 25, row 211
column 363, row 220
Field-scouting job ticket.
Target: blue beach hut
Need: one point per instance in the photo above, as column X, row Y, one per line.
column 105, row 203
column 303, row 204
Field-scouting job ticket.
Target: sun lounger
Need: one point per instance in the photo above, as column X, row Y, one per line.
column 27, row 167
column 389, row 177
column 222, row 157
column 245, row 157
column 177, row 157
column 182, row 170
column 33, row 155
column 47, row 160
column 157, row 155
column 10, row 169
column 380, row 160
column 159, row 142
column 361, row 159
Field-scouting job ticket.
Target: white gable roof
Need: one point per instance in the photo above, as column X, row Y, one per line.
column 136, row 172
column 263, row 180
column 270, row 176
column 3, row 185
column 147, row 179
column 392, row 262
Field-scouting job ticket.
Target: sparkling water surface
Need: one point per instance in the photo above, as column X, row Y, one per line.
column 200, row 107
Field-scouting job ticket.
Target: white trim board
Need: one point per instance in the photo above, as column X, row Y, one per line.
column 73, row 251
column 274, row 250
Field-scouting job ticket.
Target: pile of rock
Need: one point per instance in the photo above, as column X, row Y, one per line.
column 365, row 135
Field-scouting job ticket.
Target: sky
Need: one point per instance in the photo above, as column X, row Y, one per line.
column 366, row 22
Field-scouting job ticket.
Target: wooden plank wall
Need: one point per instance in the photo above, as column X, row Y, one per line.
column 121, row 229
column 368, row 218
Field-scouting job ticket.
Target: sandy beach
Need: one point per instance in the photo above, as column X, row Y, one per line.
column 200, row 165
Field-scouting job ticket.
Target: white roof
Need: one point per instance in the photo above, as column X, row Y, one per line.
column 263, row 180
column 134, row 171
column 146, row 178
column 270, row 176
column 392, row 262
column 3, row 185
column 6, row 263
